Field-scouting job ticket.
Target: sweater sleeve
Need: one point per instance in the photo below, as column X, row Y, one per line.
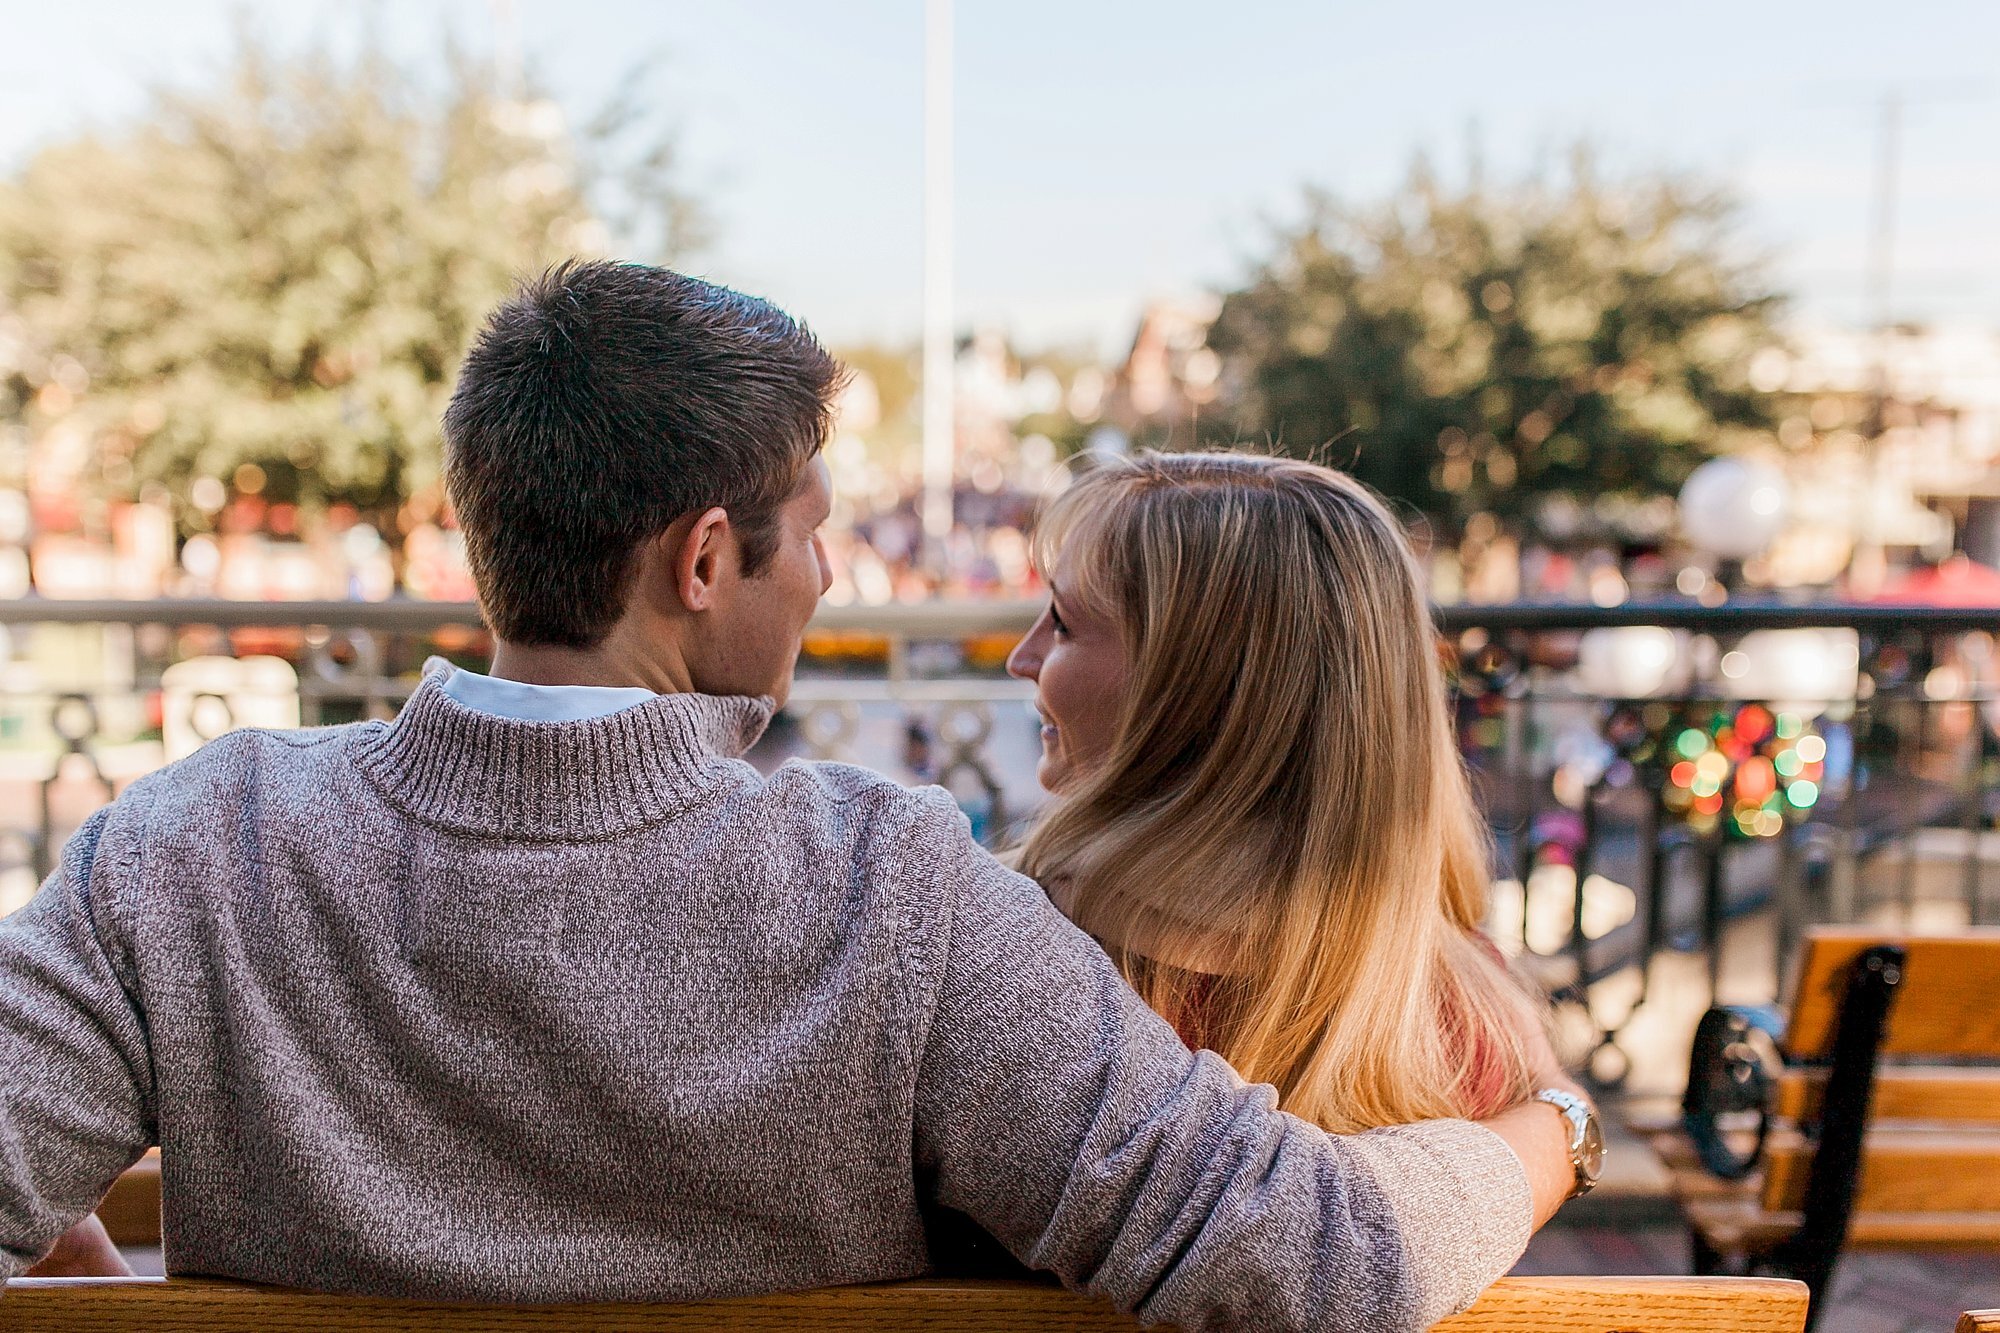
column 75, row 1076
column 1063, row 1115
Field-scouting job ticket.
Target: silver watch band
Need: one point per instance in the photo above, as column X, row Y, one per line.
column 1586, row 1141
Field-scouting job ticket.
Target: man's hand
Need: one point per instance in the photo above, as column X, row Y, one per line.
column 85, row 1250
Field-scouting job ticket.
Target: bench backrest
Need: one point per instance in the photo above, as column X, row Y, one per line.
column 1932, row 1143
column 1944, row 1007
column 1513, row 1305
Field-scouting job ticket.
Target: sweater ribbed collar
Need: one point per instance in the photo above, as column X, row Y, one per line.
column 556, row 781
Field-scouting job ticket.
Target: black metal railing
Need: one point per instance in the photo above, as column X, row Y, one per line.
column 1655, row 773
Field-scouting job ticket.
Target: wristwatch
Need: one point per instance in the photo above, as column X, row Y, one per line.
column 1586, row 1137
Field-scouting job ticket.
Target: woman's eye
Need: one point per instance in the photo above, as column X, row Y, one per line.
column 1056, row 621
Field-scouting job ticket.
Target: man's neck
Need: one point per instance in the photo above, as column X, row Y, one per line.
column 614, row 662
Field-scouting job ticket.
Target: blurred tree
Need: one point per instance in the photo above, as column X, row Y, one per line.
column 1478, row 350
column 272, row 280
column 896, row 372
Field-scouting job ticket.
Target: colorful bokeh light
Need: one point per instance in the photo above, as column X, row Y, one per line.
column 1745, row 769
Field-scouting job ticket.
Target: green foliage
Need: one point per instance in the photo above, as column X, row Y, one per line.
column 285, row 269
column 1476, row 350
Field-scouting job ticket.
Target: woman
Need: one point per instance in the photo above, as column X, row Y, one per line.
column 1260, row 810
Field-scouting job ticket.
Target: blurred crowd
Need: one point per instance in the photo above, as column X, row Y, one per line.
column 273, row 552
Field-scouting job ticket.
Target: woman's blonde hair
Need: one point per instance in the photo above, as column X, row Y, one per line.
column 1282, row 841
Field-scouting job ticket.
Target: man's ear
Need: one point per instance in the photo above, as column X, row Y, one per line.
column 701, row 559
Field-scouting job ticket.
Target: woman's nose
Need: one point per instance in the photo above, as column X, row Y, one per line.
column 1025, row 662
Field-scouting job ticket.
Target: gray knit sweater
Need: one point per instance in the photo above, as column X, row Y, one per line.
column 464, row 1007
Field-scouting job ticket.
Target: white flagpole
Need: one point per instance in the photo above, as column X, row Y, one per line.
column 938, row 333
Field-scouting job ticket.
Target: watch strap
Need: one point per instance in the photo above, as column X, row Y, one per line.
column 1578, row 1113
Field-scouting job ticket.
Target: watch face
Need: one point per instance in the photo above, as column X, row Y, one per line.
column 1593, row 1148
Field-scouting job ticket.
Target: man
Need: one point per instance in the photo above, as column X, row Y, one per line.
column 538, row 993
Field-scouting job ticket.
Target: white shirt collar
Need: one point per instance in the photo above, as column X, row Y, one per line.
column 522, row 702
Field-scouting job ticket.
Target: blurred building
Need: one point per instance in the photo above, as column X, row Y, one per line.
column 1169, row 377
column 1892, row 448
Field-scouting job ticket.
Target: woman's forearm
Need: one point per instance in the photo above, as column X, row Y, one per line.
column 85, row 1250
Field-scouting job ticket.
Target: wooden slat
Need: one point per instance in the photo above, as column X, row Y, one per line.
column 1741, row 1226
column 1902, row 1171
column 131, row 1210
column 1635, row 1305
column 1946, row 1006
column 1940, row 1094
column 1513, row 1305
column 185, row 1305
column 1979, row 1321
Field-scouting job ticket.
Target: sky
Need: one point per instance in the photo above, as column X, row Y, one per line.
column 1109, row 153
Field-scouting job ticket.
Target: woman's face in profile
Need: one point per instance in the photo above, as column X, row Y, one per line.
column 1075, row 655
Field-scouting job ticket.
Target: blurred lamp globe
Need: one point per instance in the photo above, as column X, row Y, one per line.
column 1633, row 662
column 1733, row 508
column 1799, row 671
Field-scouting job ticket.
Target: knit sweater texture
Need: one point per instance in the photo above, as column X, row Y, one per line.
column 463, row 1007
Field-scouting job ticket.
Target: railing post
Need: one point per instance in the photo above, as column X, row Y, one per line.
column 1525, row 846
column 899, row 658
column 1910, row 761
column 1974, row 788
column 1652, row 886
column 1712, row 907
column 1844, row 874
column 1790, row 902
column 1586, row 855
column 74, row 720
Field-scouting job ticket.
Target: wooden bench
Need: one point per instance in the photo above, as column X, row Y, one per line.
column 1513, row 1305
column 1979, row 1321
column 130, row 1211
column 1880, row 1128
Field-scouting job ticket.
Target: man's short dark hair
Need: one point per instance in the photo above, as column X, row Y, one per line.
column 600, row 404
